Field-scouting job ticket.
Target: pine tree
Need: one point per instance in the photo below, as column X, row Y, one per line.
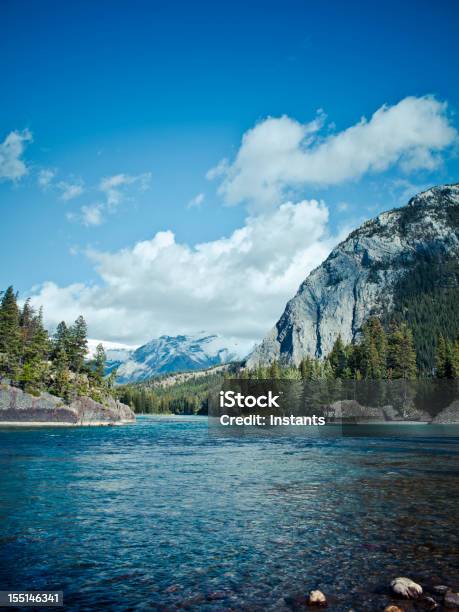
column 373, row 350
column 10, row 336
column 36, row 341
column 338, row 358
column 274, row 370
column 35, row 350
column 61, row 339
column 78, row 344
column 444, row 358
column 306, row 368
column 111, row 379
column 401, row 355
column 26, row 322
column 455, row 359
column 317, row 370
column 440, row 357
column 99, row 362
column 41, row 336
column 353, row 361
column 327, row 370
column 61, row 385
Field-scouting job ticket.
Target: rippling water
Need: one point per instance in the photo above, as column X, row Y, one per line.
column 159, row 515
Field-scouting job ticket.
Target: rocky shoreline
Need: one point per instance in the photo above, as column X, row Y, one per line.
column 20, row 409
column 352, row 412
column 404, row 594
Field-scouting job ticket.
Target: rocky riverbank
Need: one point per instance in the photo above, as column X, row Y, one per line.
column 404, row 594
column 352, row 412
column 19, row 409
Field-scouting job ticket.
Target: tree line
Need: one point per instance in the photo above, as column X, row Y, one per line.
column 36, row 362
column 425, row 298
column 378, row 354
column 185, row 397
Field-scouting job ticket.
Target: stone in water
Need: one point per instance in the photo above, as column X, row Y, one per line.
column 404, row 587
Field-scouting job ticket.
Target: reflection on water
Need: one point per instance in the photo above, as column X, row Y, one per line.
column 159, row 515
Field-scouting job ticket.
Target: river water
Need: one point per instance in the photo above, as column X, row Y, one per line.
column 161, row 516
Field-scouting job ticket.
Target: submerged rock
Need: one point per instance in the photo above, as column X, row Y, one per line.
column 451, row 601
column 216, row 595
column 440, row 589
column 406, row 588
column 317, row 598
column 392, row 608
column 429, row 603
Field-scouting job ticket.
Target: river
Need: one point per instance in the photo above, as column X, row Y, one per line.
column 161, row 516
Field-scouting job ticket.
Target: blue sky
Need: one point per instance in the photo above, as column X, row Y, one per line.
column 120, row 110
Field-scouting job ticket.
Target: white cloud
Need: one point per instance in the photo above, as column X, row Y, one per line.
column 108, row 346
column 236, row 286
column 219, row 170
column 45, row 177
column 12, row 167
column 70, row 190
column 92, row 215
column 197, row 201
column 113, row 187
column 280, row 154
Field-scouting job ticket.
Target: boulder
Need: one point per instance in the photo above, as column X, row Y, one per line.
column 429, row 603
column 406, row 588
column 350, row 411
column 89, row 411
column 440, row 589
column 451, row 601
column 449, row 415
column 19, row 407
column 317, row 598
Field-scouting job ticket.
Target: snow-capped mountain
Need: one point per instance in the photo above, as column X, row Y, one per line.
column 172, row 354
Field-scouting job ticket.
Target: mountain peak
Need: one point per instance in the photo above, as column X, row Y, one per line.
column 439, row 195
column 181, row 353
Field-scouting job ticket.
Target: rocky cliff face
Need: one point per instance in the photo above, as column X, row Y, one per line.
column 360, row 276
column 19, row 407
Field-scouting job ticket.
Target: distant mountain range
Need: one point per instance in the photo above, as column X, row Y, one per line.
column 171, row 354
column 401, row 265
